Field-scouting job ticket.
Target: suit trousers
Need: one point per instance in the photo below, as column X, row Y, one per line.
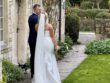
column 32, row 51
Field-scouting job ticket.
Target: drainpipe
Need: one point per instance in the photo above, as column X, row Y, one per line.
column 60, row 1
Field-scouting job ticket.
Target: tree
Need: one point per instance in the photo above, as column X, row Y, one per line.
column 97, row 2
column 104, row 4
column 109, row 3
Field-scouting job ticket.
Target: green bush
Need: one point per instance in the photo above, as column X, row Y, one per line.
column 62, row 51
column 103, row 15
column 5, row 77
column 88, row 13
column 64, row 48
column 69, row 42
column 72, row 26
column 68, row 4
column 3, row 82
column 11, row 72
column 99, row 47
column 104, row 4
column 86, row 5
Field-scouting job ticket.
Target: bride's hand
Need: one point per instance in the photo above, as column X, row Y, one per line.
column 57, row 48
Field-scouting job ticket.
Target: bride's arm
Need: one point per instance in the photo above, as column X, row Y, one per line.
column 36, row 27
column 53, row 36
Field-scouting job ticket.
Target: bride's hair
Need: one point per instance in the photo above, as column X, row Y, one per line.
column 46, row 18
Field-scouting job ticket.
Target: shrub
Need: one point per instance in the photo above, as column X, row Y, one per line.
column 88, row 13
column 62, row 51
column 3, row 82
column 11, row 72
column 72, row 26
column 64, row 48
column 103, row 15
column 86, row 5
column 99, row 47
column 69, row 42
column 68, row 4
column 5, row 77
column 104, row 4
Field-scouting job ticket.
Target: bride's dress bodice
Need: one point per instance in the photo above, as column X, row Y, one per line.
column 47, row 34
column 48, row 44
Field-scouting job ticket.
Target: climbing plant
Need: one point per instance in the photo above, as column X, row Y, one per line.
column 52, row 9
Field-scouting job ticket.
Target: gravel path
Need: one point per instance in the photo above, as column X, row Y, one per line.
column 86, row 37
column 72, row 60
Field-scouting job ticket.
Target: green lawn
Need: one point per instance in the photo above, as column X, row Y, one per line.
column 95, row 69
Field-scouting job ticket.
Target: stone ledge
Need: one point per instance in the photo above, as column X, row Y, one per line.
column 4, row 48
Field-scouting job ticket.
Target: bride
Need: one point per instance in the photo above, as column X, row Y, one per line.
column 46, row 70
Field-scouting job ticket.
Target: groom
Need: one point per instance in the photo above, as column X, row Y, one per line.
column 33, row 25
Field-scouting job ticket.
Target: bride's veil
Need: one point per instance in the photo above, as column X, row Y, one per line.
column 39, row 62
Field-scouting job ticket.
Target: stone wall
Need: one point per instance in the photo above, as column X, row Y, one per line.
column 87, row 24
column 102, row 28
column 16, row 13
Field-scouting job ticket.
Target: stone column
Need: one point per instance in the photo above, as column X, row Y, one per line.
column 63, row 21
column 22, row 31
column 12, row 35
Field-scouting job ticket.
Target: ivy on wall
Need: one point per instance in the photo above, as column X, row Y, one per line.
column 52, row 9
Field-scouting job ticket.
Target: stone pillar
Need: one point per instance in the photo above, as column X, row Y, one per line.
column 12, row 35
column 63, row 21
column 22, row 31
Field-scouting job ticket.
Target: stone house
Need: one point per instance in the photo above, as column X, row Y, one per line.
column 14, row 27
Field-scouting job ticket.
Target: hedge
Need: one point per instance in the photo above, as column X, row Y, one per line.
column 72, row 26
column 98, row 47
column 86, row 5
column 103, row 15
column 11, row 72
column 88, row 13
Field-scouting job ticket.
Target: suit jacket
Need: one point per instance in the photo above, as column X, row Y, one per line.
column 32, row 21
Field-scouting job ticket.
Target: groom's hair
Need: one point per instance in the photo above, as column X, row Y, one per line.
column 36, row 5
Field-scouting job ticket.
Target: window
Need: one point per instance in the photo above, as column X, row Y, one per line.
column 1, row 20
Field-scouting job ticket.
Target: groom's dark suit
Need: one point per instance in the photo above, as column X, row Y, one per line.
column 32, row 21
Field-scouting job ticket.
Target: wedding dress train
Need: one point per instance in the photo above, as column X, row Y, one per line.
column 46, row 70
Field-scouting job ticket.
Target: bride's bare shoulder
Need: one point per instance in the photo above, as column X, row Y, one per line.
column 49, row 26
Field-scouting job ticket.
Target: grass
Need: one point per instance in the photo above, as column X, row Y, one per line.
column 95, row 69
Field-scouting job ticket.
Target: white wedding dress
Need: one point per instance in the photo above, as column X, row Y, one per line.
column 46, row 70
